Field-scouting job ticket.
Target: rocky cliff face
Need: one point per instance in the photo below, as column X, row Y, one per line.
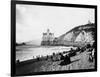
column 82, row 34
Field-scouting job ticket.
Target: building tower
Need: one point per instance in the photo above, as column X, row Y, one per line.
column 47, row 38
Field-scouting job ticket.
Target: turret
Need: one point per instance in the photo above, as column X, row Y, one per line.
column 47, row 38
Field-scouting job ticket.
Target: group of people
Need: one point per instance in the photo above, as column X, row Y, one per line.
column 67, row 55
column 66, row 59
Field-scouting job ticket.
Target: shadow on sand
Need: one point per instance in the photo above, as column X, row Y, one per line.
column 67, row 62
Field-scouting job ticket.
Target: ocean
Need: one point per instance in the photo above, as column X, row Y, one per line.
column 29, row 52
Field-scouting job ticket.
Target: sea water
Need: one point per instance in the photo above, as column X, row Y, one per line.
column 29, row 52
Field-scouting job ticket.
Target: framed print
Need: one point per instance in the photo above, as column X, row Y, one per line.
column 52, row 38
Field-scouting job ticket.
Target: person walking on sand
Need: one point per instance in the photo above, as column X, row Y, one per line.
column 92, row 55
column 67, row 59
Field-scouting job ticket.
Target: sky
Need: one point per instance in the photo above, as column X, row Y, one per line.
column 33, row 20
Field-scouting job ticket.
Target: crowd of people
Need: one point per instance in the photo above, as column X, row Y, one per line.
column 65, row 56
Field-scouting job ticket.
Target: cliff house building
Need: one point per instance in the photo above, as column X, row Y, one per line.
column 47, row 38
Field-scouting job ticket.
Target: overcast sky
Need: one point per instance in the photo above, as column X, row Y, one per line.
column 33, row 20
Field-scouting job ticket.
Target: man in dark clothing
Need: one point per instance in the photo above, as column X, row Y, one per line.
column 67, row 59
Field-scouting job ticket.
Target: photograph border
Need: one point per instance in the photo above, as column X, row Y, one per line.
column 13, row 35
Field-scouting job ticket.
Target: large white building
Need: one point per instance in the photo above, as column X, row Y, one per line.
column 47, row 38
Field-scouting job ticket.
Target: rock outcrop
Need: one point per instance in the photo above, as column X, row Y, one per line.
column 83, row 34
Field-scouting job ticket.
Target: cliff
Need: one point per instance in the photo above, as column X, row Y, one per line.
column 79, row 35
